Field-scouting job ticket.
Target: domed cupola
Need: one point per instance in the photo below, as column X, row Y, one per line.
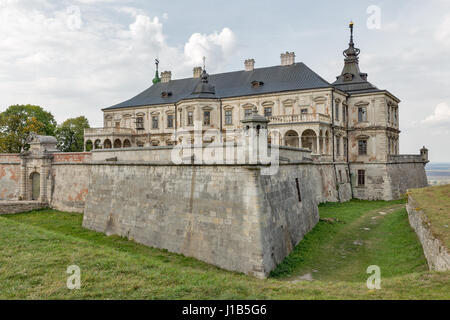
column 203, row 89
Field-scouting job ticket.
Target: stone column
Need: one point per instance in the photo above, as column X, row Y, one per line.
column 318, row 145
column 23, row 180
column 43, row 182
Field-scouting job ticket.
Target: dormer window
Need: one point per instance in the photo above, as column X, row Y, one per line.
column 348, row 77
column 166, row 94
column 256, row 84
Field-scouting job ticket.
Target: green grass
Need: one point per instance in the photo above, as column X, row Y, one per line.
column 37, row 247
column 435, row 203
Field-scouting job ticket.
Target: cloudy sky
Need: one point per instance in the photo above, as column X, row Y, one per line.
column 76, row 57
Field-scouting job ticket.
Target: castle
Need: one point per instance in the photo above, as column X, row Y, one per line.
column 334, row 141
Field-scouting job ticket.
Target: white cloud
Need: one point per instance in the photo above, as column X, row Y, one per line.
column 215, row 47
column 440, row 116
column 73, row 62
column 443, row 30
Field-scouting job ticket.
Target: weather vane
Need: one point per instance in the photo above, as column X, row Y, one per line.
column 157, row 63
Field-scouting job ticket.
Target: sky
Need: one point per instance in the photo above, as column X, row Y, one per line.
column 76, row 57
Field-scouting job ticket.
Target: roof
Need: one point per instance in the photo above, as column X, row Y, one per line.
column 231, row 84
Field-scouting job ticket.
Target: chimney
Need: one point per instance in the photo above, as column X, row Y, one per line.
column 166, row 76
column 249, row 64
column 287, row 58
column 197, row 72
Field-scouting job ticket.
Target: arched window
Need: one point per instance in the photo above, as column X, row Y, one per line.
column 107, row 144
column 89, row 146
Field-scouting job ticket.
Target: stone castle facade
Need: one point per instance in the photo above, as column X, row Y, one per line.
column 336, row 141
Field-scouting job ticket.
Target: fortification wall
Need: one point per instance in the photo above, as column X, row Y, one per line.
column 387, row 181
column 9, row 176
column 229, row 216
column 69, row 181
column 404, row 176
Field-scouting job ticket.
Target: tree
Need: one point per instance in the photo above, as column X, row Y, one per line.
column 18, row 121
column 70, row 134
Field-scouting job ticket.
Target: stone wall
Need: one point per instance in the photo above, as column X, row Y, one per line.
column 388, row 181
column 229, row 216
column 404, row 176
column 69, row 186
column 9, row 176
column 9, row 207
column 438, row 256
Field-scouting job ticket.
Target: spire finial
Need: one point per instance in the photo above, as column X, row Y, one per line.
column 156, row 79
column 351, row 32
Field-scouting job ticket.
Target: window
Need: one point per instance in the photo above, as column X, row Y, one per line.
column 345, row 147
column 395, row 116
column 154, row 122
column 338, row 146
column 207, row 118
column 247, row 113
column 362, row 114
column 268, row 112
column 389, row 113
column 117, row 124
column 347, row 175
column 190, row 118
column 228, row 117
column 298, row 190
column 361, row 177
column 139, row 123
column 336, row 113
column 304, row 111
column 340, row 176
column 170, row 121
column 362, row 147
column 344, row 114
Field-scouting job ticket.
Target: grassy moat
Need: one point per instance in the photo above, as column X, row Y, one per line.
column 330, row 263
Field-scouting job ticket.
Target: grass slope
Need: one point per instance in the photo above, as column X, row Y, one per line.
column 36, row 249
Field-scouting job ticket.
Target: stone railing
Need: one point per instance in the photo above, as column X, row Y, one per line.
column 107, row 131
column 304, row 117
column 405, row 158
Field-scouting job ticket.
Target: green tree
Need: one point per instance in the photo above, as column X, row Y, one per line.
column 18, row 121
column 70, row 134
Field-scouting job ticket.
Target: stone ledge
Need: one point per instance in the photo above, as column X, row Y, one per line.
column 437, row 255
column 10, row 207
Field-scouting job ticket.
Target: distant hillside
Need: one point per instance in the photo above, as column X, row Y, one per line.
column 438, row 172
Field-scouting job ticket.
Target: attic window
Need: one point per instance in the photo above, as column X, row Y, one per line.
column 166, row 94
column 256, row 84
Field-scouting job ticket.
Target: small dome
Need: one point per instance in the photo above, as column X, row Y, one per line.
column 203, row 87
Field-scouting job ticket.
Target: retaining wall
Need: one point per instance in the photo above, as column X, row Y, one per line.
column 438, row 256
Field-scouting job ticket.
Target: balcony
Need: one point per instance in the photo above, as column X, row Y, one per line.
column 304, row 117
column 107, row 131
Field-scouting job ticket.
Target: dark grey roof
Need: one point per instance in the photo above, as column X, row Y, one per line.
column 232, row 84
